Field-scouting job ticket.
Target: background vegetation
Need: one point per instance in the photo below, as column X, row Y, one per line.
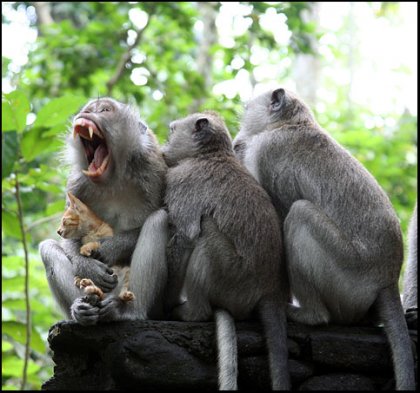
column 171, row 59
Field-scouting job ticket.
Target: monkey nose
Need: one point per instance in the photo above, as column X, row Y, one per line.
column 59, row 231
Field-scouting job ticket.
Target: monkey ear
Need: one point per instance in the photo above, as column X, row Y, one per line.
column 142, row 127
column 201, row 124
column 278, row 98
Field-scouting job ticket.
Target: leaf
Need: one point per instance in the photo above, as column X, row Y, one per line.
column 9, row 387
column 6, row 346
column 55, row 207
column 34, row 145
column 7, row 119
column 17, row 331
column 13, row 367
column 19, row 304
column 11, row 225
column 14, row 284
column 58, row 111
column 18, row 110
column 12, row 262
column 9, row 152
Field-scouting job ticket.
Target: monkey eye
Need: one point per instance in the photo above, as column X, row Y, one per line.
column 106, row 109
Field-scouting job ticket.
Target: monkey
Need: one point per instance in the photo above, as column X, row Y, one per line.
column 410, row 275
column 342, row 237
column 224, row 253
column 117, row 169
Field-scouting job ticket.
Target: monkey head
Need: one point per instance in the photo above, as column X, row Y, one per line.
column 195, row 135
column 271, row 110
column 103, row 130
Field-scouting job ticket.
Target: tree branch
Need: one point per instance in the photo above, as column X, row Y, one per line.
column 43, row 14
column 125, row 58
column 27, row 303
column 43, row 221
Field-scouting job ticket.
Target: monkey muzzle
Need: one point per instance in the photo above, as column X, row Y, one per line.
column 95, row 147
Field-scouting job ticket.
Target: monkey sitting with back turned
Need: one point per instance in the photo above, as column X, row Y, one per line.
column 410, row 275
column 225, row 255
column 342, row 237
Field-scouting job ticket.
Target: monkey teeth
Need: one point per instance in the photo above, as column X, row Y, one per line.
column 86, row 128
column 99, row 171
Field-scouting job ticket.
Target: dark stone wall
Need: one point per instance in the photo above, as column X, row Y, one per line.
column 166, row 355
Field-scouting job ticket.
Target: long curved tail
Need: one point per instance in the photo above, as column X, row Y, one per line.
column 273, row 317
column 227, row 350
column 391, row 314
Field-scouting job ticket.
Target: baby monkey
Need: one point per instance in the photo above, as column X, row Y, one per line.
column 224, row 256
column 79, row 222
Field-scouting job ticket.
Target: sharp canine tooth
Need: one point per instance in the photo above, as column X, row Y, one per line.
column 90, row 132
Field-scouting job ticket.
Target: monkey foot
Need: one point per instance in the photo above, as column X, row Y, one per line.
column 127, row 296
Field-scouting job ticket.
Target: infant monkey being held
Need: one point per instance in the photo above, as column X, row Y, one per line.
column 224, row 256
column 79, row 222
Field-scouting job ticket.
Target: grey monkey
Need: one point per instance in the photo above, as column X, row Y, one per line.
column 225, row 254
column 410, row 276
column 118, row 170
column 342, row 237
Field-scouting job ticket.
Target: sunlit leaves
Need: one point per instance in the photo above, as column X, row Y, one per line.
column 17, row 331
column 58, row 111
column 9, row 152
column 16, row 107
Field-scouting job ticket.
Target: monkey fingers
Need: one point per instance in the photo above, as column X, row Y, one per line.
column 83, row 312
column 111, row 308
column 101, row 275
column 411, row 318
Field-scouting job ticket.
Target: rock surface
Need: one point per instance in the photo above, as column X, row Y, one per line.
column 167, row 355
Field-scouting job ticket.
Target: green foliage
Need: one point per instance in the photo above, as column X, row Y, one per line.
column 77, row 57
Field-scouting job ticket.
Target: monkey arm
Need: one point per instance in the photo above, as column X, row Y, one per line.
column 89, row 268
column 119, row 247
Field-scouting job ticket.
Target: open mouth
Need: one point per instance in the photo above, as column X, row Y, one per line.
column 95, row 146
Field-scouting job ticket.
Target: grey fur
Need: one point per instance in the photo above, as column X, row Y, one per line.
column 227, row 243
column 342, row 237
column 126, row 196
column 410, row 276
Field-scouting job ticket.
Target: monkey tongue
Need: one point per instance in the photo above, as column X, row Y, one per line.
column 99, row 163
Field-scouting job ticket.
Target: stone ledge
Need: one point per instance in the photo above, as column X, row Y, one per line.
column 167, row 355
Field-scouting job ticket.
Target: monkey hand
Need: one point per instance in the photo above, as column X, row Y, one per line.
column 118, row 248
column 99, row 273
column 113, row 308
column 411, row 317
column 85, row 310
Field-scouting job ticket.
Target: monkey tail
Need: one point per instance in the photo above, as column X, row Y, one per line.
column 273, row 317
column 227, row 349
column 391, row 314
